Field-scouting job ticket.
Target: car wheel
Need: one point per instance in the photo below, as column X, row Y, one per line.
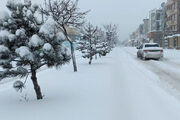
column 137, row 56
column 144, row 58
column 141, row 57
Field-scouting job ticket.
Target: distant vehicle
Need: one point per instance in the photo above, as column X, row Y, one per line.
column 150, row 51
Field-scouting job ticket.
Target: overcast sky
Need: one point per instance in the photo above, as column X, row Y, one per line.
column 128, row 14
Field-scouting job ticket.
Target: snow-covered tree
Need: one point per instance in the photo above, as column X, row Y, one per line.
column 102, row 46
column 27, row 44
column 112, row 36
column 67, row 14
column 91, row 43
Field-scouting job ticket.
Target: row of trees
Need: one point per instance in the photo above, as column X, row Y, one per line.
column 29, row 42
column 97, row 41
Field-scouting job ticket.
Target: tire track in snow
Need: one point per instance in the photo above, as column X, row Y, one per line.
column 171, row 63
column 145, row 99
column 168, row 77
column 122, row 103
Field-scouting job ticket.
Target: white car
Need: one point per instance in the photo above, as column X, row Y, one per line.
column 150, row 51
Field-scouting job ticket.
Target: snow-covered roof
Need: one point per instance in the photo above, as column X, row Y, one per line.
column 168, row 37
column 176, row 35
column 171, row 36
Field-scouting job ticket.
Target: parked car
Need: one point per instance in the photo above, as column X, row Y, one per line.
column 150, row 51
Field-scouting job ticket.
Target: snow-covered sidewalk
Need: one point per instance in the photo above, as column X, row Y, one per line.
column 116, row 87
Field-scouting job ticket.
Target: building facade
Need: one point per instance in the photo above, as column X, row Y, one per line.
column 140, row 35
column 173, row 18
column 163, row 26
column 155, row 22
column 173, row 23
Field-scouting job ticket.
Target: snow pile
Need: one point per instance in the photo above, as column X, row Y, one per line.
column 24, row 53
column 10, row 21
column 35, row 41
column 3, row 16
column 29, row 14
column 60, row 36
column 4, row 35
column 27, row 2
column 63, row 51
column 49, row 28
column 20, row 32
column 3, row 49
column 4, row 54
column 47, row 47
column 12, row 37
column 14, row 4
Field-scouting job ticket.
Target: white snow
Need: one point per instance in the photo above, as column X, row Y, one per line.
column 4, row 35
column 10, row 21
column 116, row 87
column 25, row 53
column 20, row 32
column 3, row 16
column 11, row 37
column 3, row 49
column 176, row 35
column 60, row 36
column 47, row 47
column 35, row 41
column 64, row 50
column 49, row 27
column 27, row 2
column 14, row 3
column 29, row 13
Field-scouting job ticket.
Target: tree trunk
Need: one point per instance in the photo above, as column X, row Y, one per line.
column 90, row 60
column 36, row 86
column 73, row 57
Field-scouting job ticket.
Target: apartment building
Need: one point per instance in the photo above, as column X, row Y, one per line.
column 155, row 22
column 140, row 35
column 164, row 25
column 173, row 23
column 173, row 16
column 146, row 26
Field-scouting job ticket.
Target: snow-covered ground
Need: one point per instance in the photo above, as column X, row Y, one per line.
column 116, row 87
column 167, row 69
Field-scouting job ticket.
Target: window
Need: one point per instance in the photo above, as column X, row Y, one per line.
column 151, row 45
column 158, row 16
column 158, row 27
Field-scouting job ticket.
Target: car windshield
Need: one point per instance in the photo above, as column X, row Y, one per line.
column 151, row 45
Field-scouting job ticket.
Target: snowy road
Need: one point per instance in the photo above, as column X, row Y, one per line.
column 116, row 87
column 168, row 71
column 142, row 98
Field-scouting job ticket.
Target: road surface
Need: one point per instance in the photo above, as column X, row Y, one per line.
column 138, row 95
